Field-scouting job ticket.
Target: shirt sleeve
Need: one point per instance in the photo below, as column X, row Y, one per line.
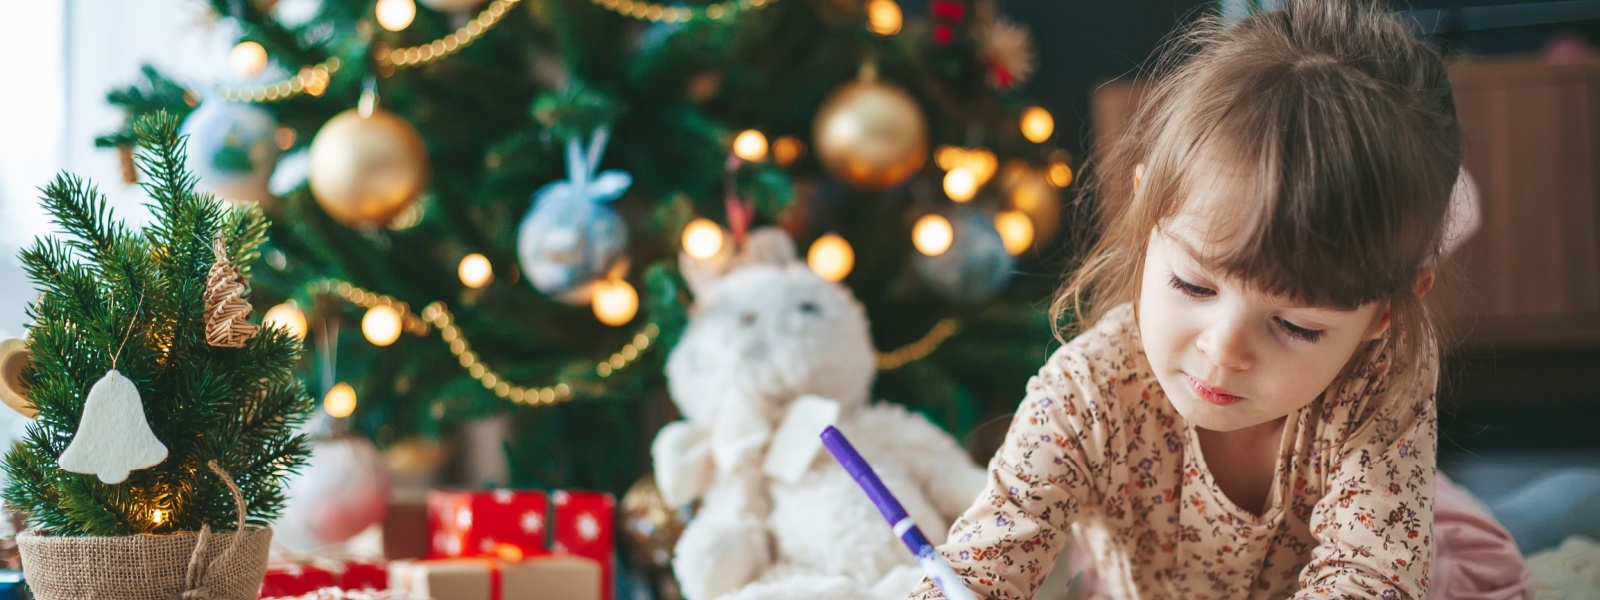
column 1374, row 526
column 1004, row 545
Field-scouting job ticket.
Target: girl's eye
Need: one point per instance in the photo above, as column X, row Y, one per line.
column 1191, row 290
column 1298, row 332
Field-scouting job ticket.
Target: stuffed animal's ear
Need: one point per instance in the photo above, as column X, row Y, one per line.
column 762, row 246
column 768, row 246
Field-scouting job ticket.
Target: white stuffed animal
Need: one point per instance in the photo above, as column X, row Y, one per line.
column 772, row 354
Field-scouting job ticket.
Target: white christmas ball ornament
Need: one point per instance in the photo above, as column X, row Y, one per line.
column 343, row 490
column 572, row 237
column 231, row 149
column 975, row 265
column 565, row 248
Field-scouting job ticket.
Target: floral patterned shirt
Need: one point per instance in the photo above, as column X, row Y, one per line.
column 1097, row 451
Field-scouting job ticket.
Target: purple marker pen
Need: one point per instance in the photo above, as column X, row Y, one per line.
column 938, row 570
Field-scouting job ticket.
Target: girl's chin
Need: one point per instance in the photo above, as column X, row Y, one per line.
column 1214, row 418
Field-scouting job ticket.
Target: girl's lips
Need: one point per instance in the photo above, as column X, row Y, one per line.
column 1210, row 394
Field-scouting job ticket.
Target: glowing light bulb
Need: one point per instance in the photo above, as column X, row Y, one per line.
column 1060, row 175
column 396, row 15
column 248, row 59
column 381, row 325
column 950, row 157
column 982, row 163
column 932, row 235
column 786, row 150
column 960, row 184
column 475, row 271
column 1037, row 125
column 750, row 145
column 831, row 257
column 284, row 137
column 340, row 401
column 883, row 17
column 288, row 317
column 1016, row 230
column 156, row 516
column 702, row 239
column 615, row 302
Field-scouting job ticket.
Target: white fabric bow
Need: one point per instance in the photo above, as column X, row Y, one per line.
column 689, row 457
column 582, row 183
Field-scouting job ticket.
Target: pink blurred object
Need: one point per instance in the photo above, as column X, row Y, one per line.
column 1567, row 46
column 1474, row 556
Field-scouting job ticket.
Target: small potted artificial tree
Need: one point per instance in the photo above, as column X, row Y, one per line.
column 166, row 419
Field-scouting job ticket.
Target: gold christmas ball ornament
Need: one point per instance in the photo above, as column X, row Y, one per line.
column 650, row 527
column 366, row 170
column 14, row 358
column 871, row 134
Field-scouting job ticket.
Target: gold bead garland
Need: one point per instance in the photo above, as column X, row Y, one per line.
column 314, row 79
column 310, row 80
column 658, row 13
column 450, row 44
column 920, row 349
column 437, row 315
column 365, row 299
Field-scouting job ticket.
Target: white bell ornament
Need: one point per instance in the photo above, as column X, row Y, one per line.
column 113, row 437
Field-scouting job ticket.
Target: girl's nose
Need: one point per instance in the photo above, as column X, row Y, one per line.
column 1227, row 345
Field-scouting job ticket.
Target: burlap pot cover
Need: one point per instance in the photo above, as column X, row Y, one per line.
column 143, row 567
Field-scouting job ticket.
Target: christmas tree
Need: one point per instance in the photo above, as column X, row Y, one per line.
column 498, row 194
column 146, row 370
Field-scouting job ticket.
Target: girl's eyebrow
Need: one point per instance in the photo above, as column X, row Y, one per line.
column 1189, row 249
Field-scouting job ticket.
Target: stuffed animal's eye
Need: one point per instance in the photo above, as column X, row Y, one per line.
column 810, row 308
column 747, row 319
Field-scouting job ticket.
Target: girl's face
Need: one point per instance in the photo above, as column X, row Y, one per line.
column 1227, row 355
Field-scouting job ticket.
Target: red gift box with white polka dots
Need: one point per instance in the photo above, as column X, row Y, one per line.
column 513, row 524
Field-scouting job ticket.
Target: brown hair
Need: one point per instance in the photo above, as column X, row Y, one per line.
column 1331, row 129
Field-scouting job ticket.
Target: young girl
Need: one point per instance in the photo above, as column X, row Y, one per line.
column 1252, row 413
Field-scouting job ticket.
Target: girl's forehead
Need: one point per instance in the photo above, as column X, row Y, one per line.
column 1209, row 225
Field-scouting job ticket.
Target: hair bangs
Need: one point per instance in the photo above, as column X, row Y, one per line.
column 1291, row 202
